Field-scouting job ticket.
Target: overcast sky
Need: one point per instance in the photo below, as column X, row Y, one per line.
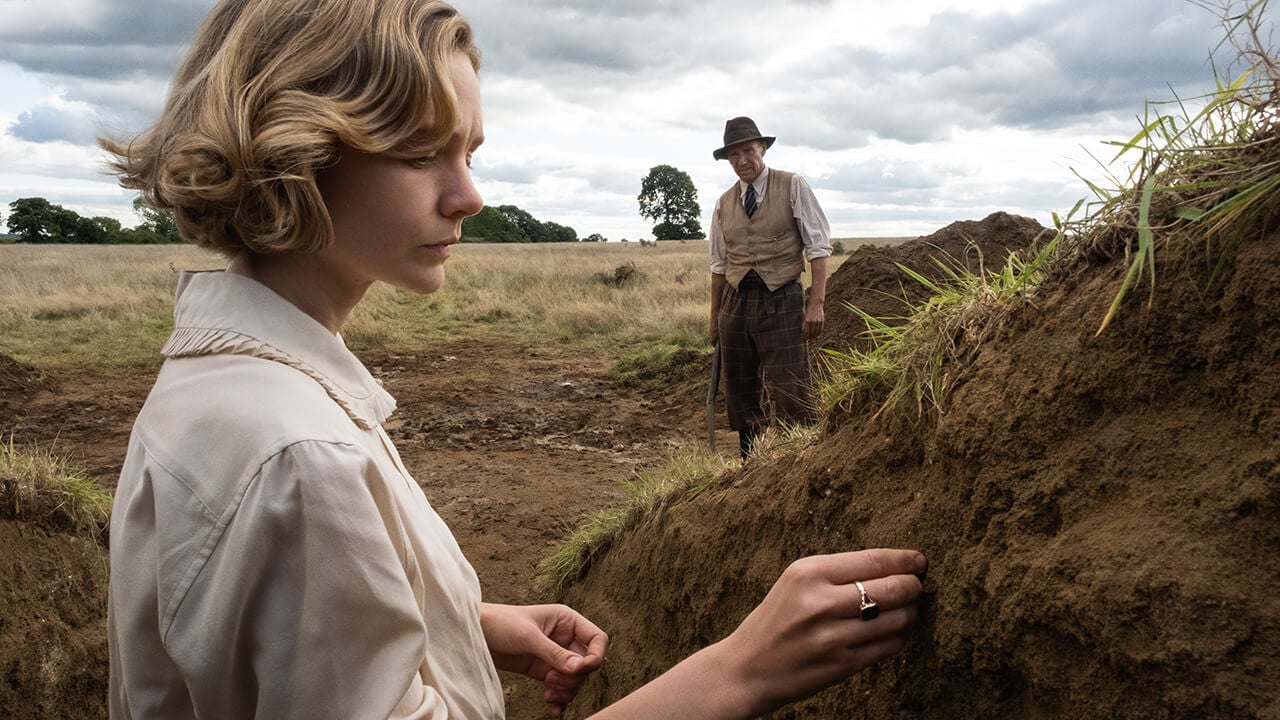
column 903, row 116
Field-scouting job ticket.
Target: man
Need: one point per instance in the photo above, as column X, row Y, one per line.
column 763, row 229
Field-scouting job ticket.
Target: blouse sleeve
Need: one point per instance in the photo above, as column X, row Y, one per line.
column 304, row 608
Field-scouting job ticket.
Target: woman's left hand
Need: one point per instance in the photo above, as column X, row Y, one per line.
column 550, row 643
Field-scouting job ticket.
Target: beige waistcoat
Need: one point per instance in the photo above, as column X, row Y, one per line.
column 768, row 242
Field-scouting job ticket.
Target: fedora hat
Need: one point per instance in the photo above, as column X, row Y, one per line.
column 740, row 130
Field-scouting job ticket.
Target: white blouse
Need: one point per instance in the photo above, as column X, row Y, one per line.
column 271, row 556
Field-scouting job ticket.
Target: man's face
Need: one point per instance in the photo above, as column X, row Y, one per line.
column 747, row 159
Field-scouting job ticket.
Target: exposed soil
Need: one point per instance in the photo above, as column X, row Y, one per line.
column 1100, row 512
column 512, row 446
column 871, row 280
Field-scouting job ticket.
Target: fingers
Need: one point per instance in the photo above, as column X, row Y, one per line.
column 594, row 652
column 889, row 593
column 847, row 568
column 561, row 689
column 873, row 651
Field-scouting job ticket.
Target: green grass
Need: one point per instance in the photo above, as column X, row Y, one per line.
column 920, row 360
column 39, row 486
column 1209, row 175
column 663, row 363
column 683, row 474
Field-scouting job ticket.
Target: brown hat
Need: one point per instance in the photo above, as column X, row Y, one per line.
column 740, row 130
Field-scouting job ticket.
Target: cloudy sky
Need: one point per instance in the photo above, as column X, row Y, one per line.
column 904, row 116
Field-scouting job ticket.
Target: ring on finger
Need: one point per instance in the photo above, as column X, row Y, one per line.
column 868, row 609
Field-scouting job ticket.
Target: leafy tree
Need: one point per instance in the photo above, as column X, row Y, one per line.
column 94, row 231
column 533, row 229
column 36, row 220
column 560, row 233
column 595, row 237
column 158, row 221
column 491, row 225
column 508, row 223
column 668, row 197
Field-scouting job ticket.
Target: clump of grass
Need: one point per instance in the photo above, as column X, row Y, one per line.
column 663, row 364
column 39, row 486
column 622, row 276
column 1207, row 176
column 920, row 359
column 783, row 440
column 684, row 473
column 1210, row 176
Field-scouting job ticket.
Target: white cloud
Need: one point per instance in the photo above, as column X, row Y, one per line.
column 55, row 119
column 900, row 115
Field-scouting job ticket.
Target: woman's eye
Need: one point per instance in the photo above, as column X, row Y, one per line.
column 424, row 161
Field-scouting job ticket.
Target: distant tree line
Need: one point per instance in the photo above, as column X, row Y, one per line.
column 510, row 224
column 36, row 220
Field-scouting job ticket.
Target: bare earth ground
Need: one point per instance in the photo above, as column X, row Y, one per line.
column 513, row 449
column 1102, row 514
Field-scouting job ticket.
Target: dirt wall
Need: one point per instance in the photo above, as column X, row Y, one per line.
column 1101, row 513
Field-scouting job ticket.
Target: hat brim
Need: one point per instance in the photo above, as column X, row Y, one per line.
column 723, row 152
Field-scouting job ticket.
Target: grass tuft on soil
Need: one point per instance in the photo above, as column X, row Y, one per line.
column 684, row 473
column 1207, row 177
column 662, row 364
column 39, row 486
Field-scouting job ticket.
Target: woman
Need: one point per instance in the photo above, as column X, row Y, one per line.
column 271, row 556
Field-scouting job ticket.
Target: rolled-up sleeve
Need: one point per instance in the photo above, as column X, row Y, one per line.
column 815, row 231
column 715, row 244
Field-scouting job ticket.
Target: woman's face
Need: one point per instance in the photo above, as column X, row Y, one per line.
column 395, row 220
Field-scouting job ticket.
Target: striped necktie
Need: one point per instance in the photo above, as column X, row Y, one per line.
column 749, row 202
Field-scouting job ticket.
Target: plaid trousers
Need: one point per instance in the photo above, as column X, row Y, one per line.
column 763, row 353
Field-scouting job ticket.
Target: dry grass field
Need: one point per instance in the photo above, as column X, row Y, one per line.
column 109, row 306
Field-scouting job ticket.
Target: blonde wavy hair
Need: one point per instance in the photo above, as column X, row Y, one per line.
column 268, row 95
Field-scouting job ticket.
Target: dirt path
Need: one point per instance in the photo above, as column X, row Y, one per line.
column 513, row 446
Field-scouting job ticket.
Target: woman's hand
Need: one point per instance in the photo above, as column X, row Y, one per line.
column 808, row 631
column 549, row 643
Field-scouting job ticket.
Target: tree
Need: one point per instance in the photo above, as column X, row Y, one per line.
column 95, row 230
column 508, row 223
column 595, row 238
column 491, row 225
column 668, row 197
column 559, row 233
column 533, row 229
column 158, row 221
column 34, row 220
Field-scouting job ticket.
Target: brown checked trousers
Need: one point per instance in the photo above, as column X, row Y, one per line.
column 764, row 355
